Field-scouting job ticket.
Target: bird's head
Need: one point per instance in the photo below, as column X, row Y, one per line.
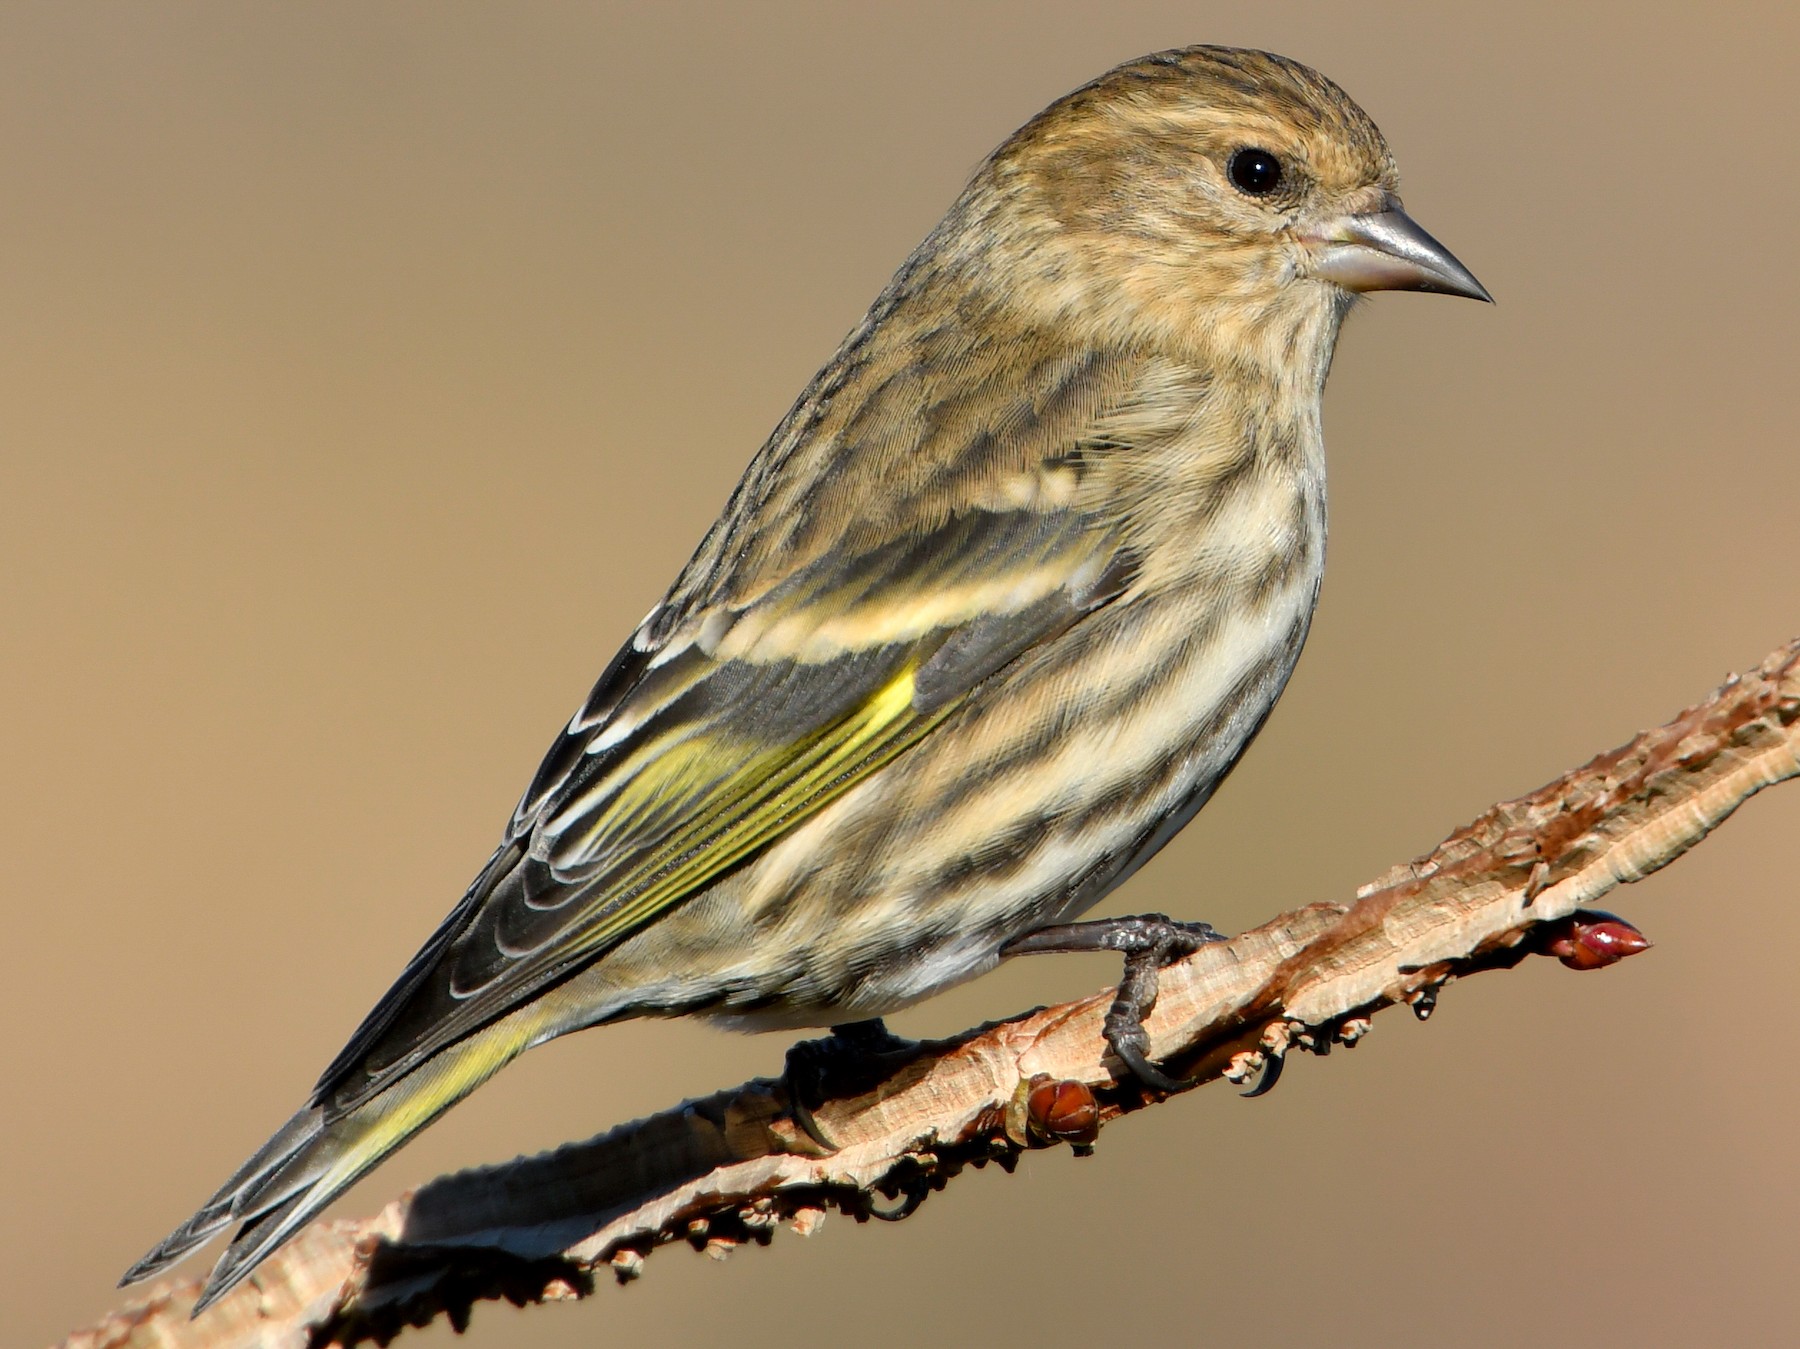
column 1232, row 196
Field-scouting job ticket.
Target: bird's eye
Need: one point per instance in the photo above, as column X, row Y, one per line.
column 1255, row 173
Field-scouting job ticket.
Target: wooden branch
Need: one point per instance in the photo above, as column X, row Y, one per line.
column 729, row 1169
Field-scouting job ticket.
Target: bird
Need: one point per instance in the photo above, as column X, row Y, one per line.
column 998, row 605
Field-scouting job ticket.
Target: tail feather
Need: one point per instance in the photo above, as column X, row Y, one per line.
column 313, row 1159
column 229, row 1203
column 255, row 1241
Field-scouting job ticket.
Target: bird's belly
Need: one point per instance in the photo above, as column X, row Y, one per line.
column 1038, row 800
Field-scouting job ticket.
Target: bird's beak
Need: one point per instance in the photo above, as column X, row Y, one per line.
column 1385, row 250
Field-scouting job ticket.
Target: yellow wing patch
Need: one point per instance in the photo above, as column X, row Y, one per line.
column 767, row 793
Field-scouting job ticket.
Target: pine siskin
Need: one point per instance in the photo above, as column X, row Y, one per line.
column 1002, row 600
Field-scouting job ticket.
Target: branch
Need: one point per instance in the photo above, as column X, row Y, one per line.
column 728, row 1169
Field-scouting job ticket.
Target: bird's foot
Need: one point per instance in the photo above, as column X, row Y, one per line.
column 852, row 1061
column 1148, row 942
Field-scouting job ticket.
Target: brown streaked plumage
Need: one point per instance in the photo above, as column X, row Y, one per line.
column 992, row 613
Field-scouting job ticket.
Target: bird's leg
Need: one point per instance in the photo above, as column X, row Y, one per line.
column 1148, row 942
column 854, row 1059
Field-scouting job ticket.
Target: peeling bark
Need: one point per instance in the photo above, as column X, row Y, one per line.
column 729, row 1169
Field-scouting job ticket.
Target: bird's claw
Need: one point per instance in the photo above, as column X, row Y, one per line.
column 1148, row 942
column 808, row 1123
column 854, row 1059
column 911, row 1196
column 1272, row 1065
column 1128, row 1043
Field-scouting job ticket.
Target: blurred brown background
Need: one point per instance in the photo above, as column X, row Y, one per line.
column 367, row 370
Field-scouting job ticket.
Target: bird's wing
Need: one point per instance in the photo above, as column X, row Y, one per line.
column 741, row 709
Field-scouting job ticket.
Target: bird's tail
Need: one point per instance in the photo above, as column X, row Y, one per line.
column 316, row 1156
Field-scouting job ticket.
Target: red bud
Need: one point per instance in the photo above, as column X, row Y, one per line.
column 1591, row 939
column 1065, row 1111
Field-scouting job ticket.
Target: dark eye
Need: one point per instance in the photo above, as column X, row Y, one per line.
column 1254, row 172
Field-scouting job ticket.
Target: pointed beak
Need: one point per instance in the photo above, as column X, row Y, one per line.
column 1386, row 250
